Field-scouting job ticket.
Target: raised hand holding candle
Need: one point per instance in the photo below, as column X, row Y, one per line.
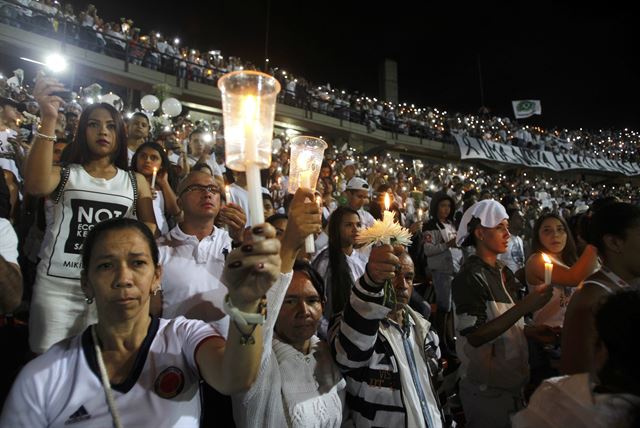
column 548, row 269
column 307, row 154
column 153, row 178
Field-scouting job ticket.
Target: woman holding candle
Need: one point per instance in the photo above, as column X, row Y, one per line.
column 133, row 370
column 152, row 162
column 615, row 231
column 92, row 186
column 564, row 270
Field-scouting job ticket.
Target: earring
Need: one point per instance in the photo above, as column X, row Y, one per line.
column 89, row 300
column 156, row 290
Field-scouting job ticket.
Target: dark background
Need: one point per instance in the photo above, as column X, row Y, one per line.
column 580, row 61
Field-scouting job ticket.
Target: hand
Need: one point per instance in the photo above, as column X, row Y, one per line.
column 415, row 227
column 233, row 216
column 154, row 194
column 162, row 178
column 383, row 263
column 537, row 298
column 304, row 219
column 250, row 270
column 452, row 242
column 49, row 105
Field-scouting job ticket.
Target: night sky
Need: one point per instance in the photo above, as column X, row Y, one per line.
column 581, row 62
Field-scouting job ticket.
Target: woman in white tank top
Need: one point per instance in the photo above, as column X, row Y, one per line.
column 92, row 186
column 615, row 230
column 551, row 236
column 147, row 157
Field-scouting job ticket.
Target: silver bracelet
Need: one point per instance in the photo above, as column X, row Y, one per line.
column 51, row 138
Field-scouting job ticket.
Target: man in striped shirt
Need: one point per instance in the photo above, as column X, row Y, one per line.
column 387, row 353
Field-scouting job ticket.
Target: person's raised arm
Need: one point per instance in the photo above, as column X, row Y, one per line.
column 232, row 366
column 305, row 219
column 568, row 277
column 144, row 204
column 490, row 330
column 170, row 200
column 41, row 177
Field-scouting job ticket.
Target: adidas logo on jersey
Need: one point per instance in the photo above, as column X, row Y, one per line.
column 80, row 415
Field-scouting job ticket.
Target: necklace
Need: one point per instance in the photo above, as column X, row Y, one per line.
column 104, row 377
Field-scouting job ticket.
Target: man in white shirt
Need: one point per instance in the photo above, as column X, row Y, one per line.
column 200, row 151
column 192, row 254
column 358, row 195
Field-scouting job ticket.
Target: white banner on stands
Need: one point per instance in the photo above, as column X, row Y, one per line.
column 476, row 148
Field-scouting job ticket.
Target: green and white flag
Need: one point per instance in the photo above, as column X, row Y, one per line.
column 526, row 108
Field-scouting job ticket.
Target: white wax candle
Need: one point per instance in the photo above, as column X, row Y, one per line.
column 227, row 194
column 153, row 178
column 548, row 269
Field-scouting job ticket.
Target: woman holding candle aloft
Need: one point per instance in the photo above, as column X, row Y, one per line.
column 93, row 185
column 551, row 237
column 615, row 231
column 152, row 162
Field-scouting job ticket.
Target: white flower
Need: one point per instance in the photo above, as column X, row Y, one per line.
column 386, row 231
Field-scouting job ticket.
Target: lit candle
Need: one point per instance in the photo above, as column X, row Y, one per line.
column 420, row 214
column 254, row 186
column 227, row 194
column 548, row 269
column 387, row 201
column 153, row 178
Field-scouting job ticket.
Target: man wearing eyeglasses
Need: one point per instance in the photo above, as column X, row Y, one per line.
column 192, row 254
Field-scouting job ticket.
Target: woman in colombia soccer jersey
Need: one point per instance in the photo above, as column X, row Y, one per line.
column 133, row 370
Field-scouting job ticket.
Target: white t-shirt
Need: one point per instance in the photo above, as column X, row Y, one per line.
column 366, row 218
column 62, row 387
column 514, row 257
column 191, row 275
column 9, row 242
column 215, row 168
column 158, row 211
column 239, row 196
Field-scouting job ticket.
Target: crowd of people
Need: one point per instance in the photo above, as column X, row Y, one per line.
column 130, row 264
column 121, row 39
column 136, row 291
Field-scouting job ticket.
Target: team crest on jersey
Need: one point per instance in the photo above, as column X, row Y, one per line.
column 169, row 382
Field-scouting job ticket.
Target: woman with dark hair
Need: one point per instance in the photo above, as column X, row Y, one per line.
column 444, row 259
column 551, row 236
column 340, row 264
column 615, row 231
column 607, row 397
column 130, row 369
column 91, row 186
column 147, row 158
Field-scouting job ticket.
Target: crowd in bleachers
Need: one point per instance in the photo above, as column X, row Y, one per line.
column 130, row 269
column 121, row 39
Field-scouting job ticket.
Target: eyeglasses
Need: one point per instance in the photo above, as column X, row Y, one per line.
column 201, row 189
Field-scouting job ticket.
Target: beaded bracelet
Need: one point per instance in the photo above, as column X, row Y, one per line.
column 51, row 138
column 246, row 319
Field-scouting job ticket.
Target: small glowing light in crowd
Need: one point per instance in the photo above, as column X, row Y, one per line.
column 207, row 137
column 158, row 35
column 56, row 63
column 266, row 60
column 89, row 100
column 387, row 201
column 176, row 41
column 129, row 114
column 167, row 128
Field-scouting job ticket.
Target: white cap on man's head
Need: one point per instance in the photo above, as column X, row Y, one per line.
column 490, row 213
column 357, row 183
column 349, row 162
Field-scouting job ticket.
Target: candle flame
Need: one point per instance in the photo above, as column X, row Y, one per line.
column 546, row 258
column 155, row 169
column 387, row 201
column 249, row 107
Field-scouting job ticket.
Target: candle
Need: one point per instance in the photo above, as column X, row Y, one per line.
column 254, row 185
column 153, row 178
column 227, row 194
column 420, row 214
column 387, row 201
column 548, row 269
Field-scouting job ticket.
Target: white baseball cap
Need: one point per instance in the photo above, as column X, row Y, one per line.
column 349, row 162
column 357, row 183
column 490, row 213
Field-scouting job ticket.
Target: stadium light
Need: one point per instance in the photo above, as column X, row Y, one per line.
column 56, row 63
